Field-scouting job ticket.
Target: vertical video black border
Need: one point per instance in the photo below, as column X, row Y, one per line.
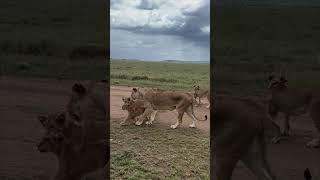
column 212, row 63
column 107, row 43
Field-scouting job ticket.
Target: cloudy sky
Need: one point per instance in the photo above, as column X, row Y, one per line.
column 160, row 29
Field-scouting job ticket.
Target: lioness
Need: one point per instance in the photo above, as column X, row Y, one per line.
column 134, row 108
column 288, row 100
column 200, row 93
column 58, row 139
column 240, row 127
column 166, row 100
column 87, row 105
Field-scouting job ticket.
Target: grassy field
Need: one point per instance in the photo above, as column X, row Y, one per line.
column 158, row 153
column 38, row 38
column 52, row 67
column 247, row 41
column 179, row 76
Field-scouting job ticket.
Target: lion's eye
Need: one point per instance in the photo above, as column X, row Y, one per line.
column 75, row 117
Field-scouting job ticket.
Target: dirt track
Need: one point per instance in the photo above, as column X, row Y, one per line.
column 22, row 100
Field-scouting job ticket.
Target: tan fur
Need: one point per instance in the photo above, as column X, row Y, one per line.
column 289, row 100
column 200, row 93
column 239, row 130
column 134, row 107
column 74, row 163
column 155, row 100
column 81, row 146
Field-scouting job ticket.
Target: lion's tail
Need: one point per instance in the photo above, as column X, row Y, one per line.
column 205, row 116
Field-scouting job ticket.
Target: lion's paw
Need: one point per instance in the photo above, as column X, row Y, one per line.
column 315, row 143
column 173, row 126
column 138, row 123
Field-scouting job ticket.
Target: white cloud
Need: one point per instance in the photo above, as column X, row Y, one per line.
column 153, row 14
column 206, row 29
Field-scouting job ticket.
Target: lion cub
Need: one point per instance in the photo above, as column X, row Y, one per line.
column 135, row 108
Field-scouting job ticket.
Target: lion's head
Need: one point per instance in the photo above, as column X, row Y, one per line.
column 56, row 126
column 277, row 81
column 136, row 94
column 127, row 102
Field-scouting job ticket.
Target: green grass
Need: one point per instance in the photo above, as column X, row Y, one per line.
column 249, row 40
column 37, row 38
column 158, row 153
column 52, row 67
column 158, row 74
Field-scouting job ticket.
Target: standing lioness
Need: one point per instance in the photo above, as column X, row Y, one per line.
column 200, row 93
column 288, row 100
column 167, row 100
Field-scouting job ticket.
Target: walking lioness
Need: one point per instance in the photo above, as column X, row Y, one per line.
column 166, row 100
column 239, row 129
column 288, row 101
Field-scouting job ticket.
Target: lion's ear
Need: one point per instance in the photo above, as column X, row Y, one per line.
column 43, row 120
column 134, row 89
column 271, row 77
column 79, row 89
column 123, row 99
column 129, row 99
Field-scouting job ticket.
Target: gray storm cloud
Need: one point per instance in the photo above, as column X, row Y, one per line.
column 185, row 23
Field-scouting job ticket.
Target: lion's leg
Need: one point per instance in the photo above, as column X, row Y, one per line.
column 179, row 120
column 152, row 118
column 314, row 143
column 255, row 160
column 194, row 119
column 199, row 100
column 315, row 114
column 208, row 98
column 286, row 125
column 124, row 122
column 273, row 111
column 223, row 166
column 144, row 115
